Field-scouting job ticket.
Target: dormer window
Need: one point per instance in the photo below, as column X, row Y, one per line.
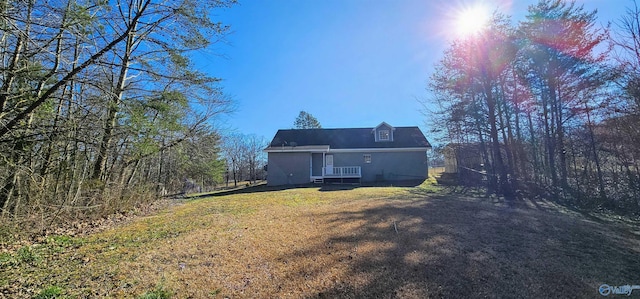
column 383, row 135
column 383, row 132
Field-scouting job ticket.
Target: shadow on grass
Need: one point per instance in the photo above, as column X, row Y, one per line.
column 322, row 187
column 252, row 189
column 402, row 183
column 341, row 187
column 456, row 247
column 338, row 187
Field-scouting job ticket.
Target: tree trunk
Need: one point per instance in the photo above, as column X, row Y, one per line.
column 560, row 133
column 550, row 145
column 534, row 152
column 112, row 109
column 20, row 145
column 596, row 158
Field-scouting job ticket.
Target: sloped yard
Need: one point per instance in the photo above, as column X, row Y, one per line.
column 336, row 243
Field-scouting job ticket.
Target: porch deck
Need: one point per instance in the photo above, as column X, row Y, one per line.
column 343, row 172
column 339, row 174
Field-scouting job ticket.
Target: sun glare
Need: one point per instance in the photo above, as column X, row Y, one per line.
column 471, row 20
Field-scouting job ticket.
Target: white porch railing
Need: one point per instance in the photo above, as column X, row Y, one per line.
column 343, row 172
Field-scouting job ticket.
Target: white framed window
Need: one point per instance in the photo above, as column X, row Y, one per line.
column 383, row 135
column 367, row 158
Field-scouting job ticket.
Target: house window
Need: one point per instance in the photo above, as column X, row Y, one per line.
column 367, row 158
column 383, row 135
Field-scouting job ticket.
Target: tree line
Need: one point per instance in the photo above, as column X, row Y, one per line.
column 245, row 158
column 553, row 104
column 101, row 105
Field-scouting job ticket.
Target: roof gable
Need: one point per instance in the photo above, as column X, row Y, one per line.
column 383, row 132
column 384, row 125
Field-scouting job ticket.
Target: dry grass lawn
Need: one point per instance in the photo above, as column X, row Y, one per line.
column 336, row 243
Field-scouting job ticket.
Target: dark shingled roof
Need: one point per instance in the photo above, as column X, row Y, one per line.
column 403, row 137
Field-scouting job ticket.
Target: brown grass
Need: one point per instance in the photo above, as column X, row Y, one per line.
column 347, row 243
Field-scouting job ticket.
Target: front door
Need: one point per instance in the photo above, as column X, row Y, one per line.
column 316, row 165
column 329, row 164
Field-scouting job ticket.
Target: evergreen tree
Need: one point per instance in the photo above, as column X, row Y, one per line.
column 306, row 121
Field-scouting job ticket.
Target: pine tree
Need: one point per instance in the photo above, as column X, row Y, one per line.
column 306, row 121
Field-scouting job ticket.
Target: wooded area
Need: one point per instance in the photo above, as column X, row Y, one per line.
column 553, row 104
column 100, row 105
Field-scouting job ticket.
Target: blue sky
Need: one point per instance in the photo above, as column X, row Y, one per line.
column 350, row 63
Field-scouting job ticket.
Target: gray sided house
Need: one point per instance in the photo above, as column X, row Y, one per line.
column 383, row 153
